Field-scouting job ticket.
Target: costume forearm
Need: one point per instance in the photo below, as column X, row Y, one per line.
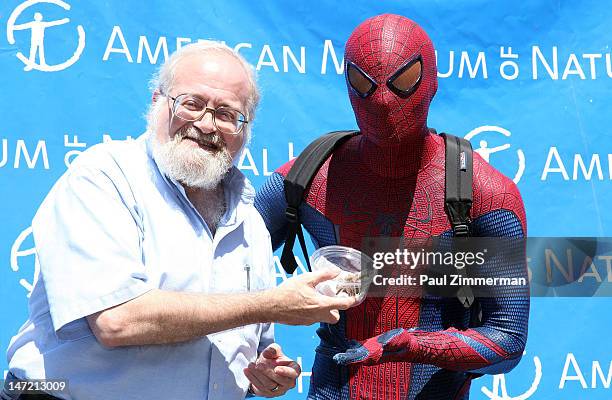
column 470, row 350
column 493, row 348
column 160, row 317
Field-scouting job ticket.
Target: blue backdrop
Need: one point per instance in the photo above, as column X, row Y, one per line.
column 525, row 82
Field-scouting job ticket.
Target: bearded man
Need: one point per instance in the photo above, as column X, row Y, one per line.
column 156, row 274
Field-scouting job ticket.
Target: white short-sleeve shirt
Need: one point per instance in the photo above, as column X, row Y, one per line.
column 112, row 228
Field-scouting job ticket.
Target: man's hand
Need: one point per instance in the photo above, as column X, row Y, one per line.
column 298, row 303
column 273, row 374
column 394, row 345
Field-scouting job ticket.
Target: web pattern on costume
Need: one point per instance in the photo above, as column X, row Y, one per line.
column 386, row 113
column 390, row 182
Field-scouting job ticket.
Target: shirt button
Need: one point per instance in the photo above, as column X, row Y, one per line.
column 215, row 386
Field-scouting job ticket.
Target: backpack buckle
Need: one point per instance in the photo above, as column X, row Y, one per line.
column 461, row 230
column 291, row 213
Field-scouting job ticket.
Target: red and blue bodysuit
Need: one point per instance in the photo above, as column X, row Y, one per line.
column 389, row 181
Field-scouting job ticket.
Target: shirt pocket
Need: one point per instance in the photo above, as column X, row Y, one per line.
column 261, row 270
column 230, row 274
column 237, row 271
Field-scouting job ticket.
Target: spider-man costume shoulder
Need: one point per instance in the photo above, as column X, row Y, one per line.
column 389, row 182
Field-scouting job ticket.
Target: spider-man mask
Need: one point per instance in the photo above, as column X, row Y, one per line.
column 391, row 76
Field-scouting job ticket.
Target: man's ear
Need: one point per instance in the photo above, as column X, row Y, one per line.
column 155, row 96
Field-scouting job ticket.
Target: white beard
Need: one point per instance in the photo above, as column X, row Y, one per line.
column 192, row 166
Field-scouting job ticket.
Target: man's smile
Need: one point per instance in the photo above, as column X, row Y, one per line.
column 204, row 144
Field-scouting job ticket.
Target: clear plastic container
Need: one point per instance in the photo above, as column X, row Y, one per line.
column 355, row 276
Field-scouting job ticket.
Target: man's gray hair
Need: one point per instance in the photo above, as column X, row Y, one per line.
column 164, row 78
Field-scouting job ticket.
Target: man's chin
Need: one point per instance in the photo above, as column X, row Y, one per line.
column 201, row 174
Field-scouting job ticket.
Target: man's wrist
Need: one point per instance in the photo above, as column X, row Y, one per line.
column 269, row 305
column 264, row 306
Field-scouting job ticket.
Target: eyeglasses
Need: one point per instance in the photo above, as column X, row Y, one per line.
column 403, row 82
column 191, row 108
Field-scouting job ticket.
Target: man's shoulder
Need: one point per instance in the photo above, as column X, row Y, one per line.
column 493, row 191
column 285, row 168
column 114, row 153
column 113, row 165
column 347, row 150
column 99, row 170
column 489, row 180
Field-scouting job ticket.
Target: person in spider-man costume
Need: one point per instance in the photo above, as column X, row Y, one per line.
column 389, row 181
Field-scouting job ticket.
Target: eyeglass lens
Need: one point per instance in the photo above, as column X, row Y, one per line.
column 191, row 108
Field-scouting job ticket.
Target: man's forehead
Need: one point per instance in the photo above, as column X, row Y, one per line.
column 214, row 68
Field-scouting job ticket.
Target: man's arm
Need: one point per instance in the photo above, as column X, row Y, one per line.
column 160, row 317
column 495, row 347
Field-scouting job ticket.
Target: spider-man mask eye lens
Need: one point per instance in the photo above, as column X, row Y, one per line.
column 362, row 84
column 406, row 80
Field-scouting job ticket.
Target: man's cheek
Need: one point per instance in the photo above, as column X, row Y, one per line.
column 233, row 146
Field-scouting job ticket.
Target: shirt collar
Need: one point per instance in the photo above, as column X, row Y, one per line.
column 238, row 189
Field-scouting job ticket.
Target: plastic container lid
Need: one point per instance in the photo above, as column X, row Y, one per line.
column 353, row 280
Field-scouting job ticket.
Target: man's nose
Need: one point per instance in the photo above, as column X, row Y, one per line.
column 206, row 124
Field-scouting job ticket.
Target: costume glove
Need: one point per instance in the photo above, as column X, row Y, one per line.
column 394, row 345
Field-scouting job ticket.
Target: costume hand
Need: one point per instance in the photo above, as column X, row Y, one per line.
column 298, row 303
column 394, row 345
column 273, row 374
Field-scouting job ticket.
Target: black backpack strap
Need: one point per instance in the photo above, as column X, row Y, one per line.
column 458, row 183
column 299, row 176
column 458, row 203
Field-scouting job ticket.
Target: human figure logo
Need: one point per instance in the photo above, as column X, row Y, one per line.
column 486, row 151
column 500, row 392
column 36, row 59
